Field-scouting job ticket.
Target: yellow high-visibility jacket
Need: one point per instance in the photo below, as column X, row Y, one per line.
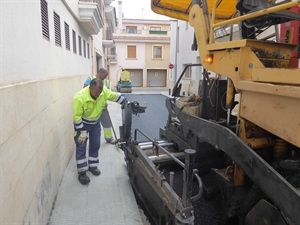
column 106, row 83
column 87, row 110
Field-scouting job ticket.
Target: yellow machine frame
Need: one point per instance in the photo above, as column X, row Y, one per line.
column 269, row 89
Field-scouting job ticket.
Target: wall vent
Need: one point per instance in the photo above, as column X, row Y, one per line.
column 45, row 22
column 74, row 41
column 57, row 31
column 79, row 45
column 84, row 49
column 67, row 36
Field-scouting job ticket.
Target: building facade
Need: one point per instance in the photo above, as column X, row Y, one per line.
column 143, row 49
column 182, row 55
column 48, row 48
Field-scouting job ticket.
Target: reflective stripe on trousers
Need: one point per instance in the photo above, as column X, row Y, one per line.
column 94, row 132
column 106, row 124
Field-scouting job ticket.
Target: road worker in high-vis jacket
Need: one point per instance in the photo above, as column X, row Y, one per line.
column 88, row 105
column 102, row 74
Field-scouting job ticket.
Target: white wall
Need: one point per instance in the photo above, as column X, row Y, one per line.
column 182, row 35
column 26, row 55
column 123, row 62
column 98, row 49
column 38, row 80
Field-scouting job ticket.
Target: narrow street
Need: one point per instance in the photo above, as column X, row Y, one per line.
column 108, row 199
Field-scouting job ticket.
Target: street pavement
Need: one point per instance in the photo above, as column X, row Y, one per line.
column 108, row 199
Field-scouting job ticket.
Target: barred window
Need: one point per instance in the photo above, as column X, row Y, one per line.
column 84, row 49
column 45, row 21
column 74, row 41
column 67, row 36
column 79, row 45
column 57, row 29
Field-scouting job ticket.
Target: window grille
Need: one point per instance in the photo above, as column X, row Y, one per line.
column 57, row 31
column 74, row 41
column 67, row 36
column 88, row 50
column 45, row 22
column 79, row 45
column 84, row 49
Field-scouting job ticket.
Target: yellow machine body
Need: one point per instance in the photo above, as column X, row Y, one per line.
column 259, row 70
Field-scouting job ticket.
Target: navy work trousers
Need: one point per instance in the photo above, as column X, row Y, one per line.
column 94, row 132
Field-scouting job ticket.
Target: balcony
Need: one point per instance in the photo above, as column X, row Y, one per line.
column 108, row 43
column 111, row 19
column 90, row 17
column 160, row 32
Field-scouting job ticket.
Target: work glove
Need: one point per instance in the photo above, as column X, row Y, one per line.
column 82, row 137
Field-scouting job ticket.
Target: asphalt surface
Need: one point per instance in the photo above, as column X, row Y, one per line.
column 154, row 117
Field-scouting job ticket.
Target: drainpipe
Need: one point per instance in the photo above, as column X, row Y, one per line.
column 176, row 52
column 92, row 55
column 174, row 49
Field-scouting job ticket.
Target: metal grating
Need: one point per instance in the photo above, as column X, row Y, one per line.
column 45, row 22
column 79, row 45
column 57, row 30
column 88, row 50
column 67, row 36
column 74, row 42
column 84, row 49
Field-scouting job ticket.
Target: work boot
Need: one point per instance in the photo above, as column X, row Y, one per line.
column 83, row 178
column 95, row 171
column 111, row 141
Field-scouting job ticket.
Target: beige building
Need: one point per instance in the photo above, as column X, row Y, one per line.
column 142, row 47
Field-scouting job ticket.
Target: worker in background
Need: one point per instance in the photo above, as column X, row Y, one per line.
column 88, row 105
column 102, row 74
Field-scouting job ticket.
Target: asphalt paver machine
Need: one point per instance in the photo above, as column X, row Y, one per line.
column 218, row 167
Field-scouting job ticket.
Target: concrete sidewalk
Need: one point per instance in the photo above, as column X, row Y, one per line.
column 107, row 199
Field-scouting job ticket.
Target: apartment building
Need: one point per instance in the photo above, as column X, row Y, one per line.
column 142, row 48
column 48, row 48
